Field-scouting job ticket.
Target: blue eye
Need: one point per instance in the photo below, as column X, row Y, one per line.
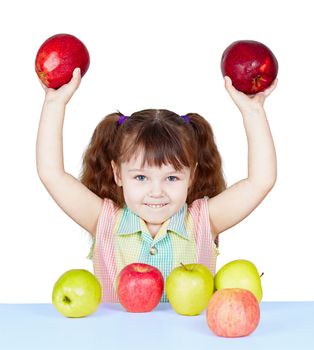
column 172, row 178
column 140, row 177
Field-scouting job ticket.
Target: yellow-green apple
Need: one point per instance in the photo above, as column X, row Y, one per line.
column 189, row 288
column 139, row 287
column 240, row 274
column 76, row 293
column 233, row 312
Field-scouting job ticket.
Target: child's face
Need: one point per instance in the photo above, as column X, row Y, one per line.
column 150, row 186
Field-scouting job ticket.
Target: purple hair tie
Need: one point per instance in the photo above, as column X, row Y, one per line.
column 186, row 118
column 122, row 119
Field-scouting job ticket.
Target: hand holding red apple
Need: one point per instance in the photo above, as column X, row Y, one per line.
column 250, row 64
column 58, row 56
column 250, row 70
column 61, row 62
column 247, row 103
column 66, row 91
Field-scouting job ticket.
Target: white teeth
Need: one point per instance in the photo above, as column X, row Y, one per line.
column 155, row 205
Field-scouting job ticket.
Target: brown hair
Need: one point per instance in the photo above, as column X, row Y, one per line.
column 166, row 137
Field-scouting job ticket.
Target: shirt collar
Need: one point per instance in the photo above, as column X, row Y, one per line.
column 130, row 223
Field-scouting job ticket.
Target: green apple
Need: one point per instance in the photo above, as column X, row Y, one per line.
column 240, row 274
column 77, row 293
column 189, row 288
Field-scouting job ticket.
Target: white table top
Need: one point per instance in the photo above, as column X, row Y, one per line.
column 283, row 325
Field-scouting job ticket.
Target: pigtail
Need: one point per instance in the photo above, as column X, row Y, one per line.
column 208, row 177
column 97, row 159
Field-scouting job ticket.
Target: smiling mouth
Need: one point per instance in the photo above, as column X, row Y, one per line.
column 155, row 205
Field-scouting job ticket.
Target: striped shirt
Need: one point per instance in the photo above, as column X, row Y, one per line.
column 122, row 238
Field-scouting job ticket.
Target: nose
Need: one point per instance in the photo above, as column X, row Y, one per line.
column 156, row 189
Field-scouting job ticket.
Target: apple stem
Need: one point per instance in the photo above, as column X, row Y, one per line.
column 184, row 266
column 261, row 274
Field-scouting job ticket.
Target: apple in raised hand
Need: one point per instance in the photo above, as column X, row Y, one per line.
column 58, row 56
column 239, row 274
column 233, row 312
column 76, row 293
column 189, row 288
column 140, row 287
column 251, row 65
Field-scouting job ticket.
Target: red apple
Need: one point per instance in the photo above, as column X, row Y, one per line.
column 57, row 57
column 233, row 312
column 250, row 64
column 140, row 287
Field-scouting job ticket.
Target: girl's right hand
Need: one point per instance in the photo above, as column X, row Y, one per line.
column 64, row 93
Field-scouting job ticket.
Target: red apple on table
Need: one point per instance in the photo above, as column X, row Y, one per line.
column 140, row 287
column 58, row 56
column 233, row 312
column 250, row 64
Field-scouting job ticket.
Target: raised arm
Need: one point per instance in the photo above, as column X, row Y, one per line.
column 81, row 204
column 238, row 201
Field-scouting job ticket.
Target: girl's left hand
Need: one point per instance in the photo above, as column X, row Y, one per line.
column 245, row 102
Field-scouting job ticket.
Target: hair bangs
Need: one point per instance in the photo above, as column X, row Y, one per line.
column 158, row 147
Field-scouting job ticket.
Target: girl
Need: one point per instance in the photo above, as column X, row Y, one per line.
column 152, row 188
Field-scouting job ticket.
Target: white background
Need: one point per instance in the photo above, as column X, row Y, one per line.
column 156, row 54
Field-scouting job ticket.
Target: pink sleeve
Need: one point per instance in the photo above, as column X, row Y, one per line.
column 103, row 254
column 206, row 248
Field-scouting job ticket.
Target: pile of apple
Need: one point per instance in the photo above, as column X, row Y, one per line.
column 231, row 298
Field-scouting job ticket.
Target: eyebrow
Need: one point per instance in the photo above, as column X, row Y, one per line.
column 141, row 170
